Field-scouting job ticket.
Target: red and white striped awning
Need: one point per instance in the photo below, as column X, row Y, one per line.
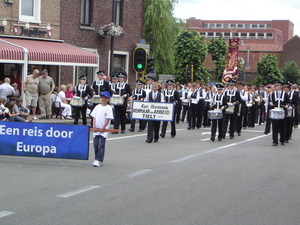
column 46, row 52
column 9, row 52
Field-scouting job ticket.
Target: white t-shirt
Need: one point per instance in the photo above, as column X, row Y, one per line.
column 101, row 113
column 60, row 96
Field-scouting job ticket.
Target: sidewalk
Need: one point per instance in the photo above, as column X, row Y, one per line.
column 58, row 120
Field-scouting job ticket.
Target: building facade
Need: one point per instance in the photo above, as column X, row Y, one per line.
column 62, row 36
column 257, row 38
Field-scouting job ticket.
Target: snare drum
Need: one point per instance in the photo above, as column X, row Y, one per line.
column 76, row 101
column 185, row 102
column 215, row 114
column 96, row 99
column 289, row 112
column 277, row 114
column 116, row 100
column 230, row 109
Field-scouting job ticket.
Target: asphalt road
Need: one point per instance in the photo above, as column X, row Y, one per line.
column 182, row 180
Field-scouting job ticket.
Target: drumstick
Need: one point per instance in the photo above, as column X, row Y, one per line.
column 105, row 130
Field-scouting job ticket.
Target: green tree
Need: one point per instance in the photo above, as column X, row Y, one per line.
column 268, row 72
column 159, row 31
column 217, row 47
column 291, row 72
column 190, row 48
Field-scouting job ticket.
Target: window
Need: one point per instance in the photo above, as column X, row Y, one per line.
column 244, row 35
column 86, row 6
column 262, row 25
column 254, row 26
column 205, row 25
column 226, row 25
column 252, row 35
column 30, row 11
column 211, row 25
column 202, row 33
column 260, row 35
column 119, row 10
column 210, row 34
column 240, row 25
column 279, row 38
column 269, row 25
column 269, row 35
column 218, row 25
column 247, row 25
column 227, row 35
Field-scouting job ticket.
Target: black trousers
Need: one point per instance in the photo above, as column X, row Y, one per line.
column 81, row 110
column 278, row 126
column 192, row 115
column 142, row 124
column 120, row 117
column 178, row 112
column 165, row 125
column 240, row 119
column 232, row 119
column 200, row 111
column 214, row 124
column 153, row 130
column 289, row 127
column 185, row 112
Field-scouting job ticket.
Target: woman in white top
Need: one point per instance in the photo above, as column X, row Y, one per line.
column 61, row 98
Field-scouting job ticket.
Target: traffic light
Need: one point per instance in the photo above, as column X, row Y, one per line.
column 188, row 71
column 150, row 65
column 139, row 60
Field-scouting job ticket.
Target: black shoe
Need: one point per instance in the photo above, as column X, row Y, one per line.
column 282, row 143
column 296, row 126
column 188, row 128
column 114, row 132
column 172, row 136
column 219, row 139
column 244, row 127
column 47, row 117
column 265, row 133
column 198, row 127
column 181, row 120
column 223, row 136
column 239, row 134
column 212, row 138
column 140, row 130
column 122, row 131
column 286, row 141
column 231, row 137
column 274, row 144
column 131, row 129
column 193, row 128
column 148, row 141
column 155, row 141
column 162, row 135
column 42, row 118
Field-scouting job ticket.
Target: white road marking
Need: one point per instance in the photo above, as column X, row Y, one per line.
column 78, row 191
column 138, row 173
column 5, row 213
column 215, row 149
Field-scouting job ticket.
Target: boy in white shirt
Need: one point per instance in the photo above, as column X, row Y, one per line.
column 102, row 115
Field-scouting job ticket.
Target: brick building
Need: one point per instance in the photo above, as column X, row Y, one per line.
column 62, row 36
column 258, row 38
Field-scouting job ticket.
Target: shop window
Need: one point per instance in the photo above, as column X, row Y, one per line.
column 87, row 71
column 119, row 12
column 30, row 11
column 86, row 9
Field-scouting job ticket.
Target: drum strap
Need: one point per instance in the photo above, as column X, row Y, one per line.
column 81, row 88
column 218, row 99
column 138, row 93
column 169, row 94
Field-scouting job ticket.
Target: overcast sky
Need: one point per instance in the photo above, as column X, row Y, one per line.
column 241, row 10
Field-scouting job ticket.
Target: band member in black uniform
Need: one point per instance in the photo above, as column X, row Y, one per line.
column 267, row 105
column 242, row 110
column 219, row 102
column 99, row 86
column 232, row 97
column 122, row 89
column 261, row 104
column 208, row 100
column 279, row 99
column 293, row 101
column 181, row 93
column 193, row 97
column 171, row 96
column 201, row 103
column 138, row 94
column 83, row 91
column 185, row 106
column 153, row 125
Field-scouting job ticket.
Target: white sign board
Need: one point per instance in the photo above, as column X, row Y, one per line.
column 159, row 111
column 145, row 46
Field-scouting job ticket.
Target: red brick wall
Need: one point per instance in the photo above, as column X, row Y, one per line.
column 102, row 14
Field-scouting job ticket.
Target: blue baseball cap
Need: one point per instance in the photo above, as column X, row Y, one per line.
column 105, row 93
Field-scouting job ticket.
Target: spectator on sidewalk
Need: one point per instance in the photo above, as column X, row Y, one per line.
column 30, row 87
column 6, row 90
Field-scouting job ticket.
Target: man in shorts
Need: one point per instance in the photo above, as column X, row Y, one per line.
column 30, row 88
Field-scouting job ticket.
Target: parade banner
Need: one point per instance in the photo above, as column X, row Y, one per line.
column 44, row 140
column 159, row 111
column 231, row 67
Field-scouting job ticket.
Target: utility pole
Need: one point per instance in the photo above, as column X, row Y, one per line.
column 112, row 39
